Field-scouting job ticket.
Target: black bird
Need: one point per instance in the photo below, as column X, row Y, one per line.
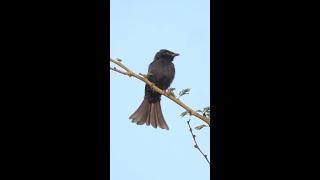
column 161, row 72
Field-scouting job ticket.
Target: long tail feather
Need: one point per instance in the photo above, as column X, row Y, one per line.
column 149, row 113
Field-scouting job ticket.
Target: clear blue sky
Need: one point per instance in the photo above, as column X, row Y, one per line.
column 139, row 29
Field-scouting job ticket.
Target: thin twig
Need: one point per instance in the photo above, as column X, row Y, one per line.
column 117, row 70
column 121, row 65
column 155, row 88
column 196, row 144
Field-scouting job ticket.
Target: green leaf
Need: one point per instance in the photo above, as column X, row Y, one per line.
column 184, row 92
column 200, row 127
column 149, row 74
column 184, row 113
column 170, row 92
column 206, row 109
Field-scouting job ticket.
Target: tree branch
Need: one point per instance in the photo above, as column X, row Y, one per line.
column 155, row 88
column 196, row 144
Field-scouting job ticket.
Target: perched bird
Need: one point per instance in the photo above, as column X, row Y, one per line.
column 161, row 72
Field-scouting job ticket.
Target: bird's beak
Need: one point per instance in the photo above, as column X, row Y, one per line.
column 175, row 54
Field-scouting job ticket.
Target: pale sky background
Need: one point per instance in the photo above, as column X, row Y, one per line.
column 139, row 29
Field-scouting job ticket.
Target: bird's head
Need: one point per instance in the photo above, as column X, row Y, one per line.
column 165, row 54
